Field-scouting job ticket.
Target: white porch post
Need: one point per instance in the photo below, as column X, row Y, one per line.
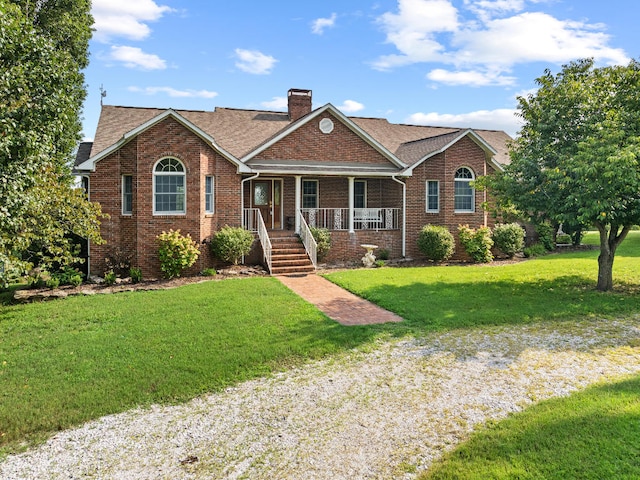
column 351, row 204
column 298, row 202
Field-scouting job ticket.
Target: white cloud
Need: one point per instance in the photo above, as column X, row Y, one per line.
column 470, row 78
column 499, row 119
column 255, row 62
column 351, row 106
column 277, row 103
column 172, row 92
column 318, row 25
column 134, row 57
column 125, row 18
column 487, row 39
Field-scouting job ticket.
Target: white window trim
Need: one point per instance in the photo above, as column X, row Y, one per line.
column 317, row 192
column 426, row 199
column 126, row 213
column 365, row 192
column 212, row 210
column 153, row 191
column 473, row 190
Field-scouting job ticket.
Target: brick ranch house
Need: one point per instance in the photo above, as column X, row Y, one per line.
column 277, row 173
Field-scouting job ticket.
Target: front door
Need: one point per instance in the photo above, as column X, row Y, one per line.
column 267, row 196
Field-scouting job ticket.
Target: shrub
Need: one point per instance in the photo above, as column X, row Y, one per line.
column 118, row 261
column 53, row 283
column 38, row 278
column 322, row 236
column 230, row 244
column 508, row 238
column 75, row 280
column 534, row 250
column 564, row 239
column 209, row 272
column 110, row 278
column 383, row 254
column 379, row 263
column 436, row 243
column 477, row 243
column 546, row 235
column 176, row 252
column 136, row 274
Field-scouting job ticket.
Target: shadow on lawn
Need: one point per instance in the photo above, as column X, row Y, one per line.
column 437, row 306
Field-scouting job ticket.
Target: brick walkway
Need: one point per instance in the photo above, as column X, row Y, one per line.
column 338, row 304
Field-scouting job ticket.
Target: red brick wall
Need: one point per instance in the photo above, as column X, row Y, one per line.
column 137, row 233
column 309, row 143
column 442, row 167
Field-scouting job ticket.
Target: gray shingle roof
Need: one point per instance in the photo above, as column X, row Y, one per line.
column 241, row 131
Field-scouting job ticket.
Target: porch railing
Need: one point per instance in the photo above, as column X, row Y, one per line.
column 308, row 241
column 265, row 241
column 250, row 219
column 363, row 218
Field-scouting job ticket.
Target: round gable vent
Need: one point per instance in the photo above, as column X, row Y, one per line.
column 326, row 125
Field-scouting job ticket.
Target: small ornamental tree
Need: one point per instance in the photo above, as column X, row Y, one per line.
column 176, row 252
column 230, row 244
column 576, row 160
column 436, row 243
column 477, row 243
column 508, row 238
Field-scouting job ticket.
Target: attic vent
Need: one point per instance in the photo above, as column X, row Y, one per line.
column 326, row 125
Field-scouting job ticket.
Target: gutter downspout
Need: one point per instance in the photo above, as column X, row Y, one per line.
column 404, row 214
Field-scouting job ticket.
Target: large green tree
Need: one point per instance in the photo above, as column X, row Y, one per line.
column 576, row 159
column 43, row 50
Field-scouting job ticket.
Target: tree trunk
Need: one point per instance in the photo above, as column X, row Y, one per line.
column 610, row 238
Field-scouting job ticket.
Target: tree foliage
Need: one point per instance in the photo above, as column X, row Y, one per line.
column 576, row 159
column 43, row 49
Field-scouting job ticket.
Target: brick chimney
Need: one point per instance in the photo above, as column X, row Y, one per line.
column 299, row 103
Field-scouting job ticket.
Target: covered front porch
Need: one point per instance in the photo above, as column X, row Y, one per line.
column 357, row 210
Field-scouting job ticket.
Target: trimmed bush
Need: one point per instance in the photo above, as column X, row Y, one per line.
column 176, row 252
column 436, row 243
column 322, row 236
column 508, row 238
column 209, row 272
column 110, row 278
column 564, row 239
column 546, row 235
column 230, row 244
column 477, row 243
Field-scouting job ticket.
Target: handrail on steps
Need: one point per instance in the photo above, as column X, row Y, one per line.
column 263, row 235
column 308, row 241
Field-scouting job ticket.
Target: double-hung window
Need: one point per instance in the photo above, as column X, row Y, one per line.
column 464, row 197
column 433, row 196
column 208, row 194
column 127, row 194
column 360, row 194
column 169, row 189
column 309, row 194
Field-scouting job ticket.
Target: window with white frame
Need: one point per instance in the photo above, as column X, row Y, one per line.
column 433, row 196
column 127, row 194
column 309, row 194
column 208, row 194
column 360, row 194
column 464, row 197
column 169, row 190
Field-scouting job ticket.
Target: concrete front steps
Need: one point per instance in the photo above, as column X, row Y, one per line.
column 288, row 254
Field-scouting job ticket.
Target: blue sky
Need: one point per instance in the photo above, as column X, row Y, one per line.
column 433, row 62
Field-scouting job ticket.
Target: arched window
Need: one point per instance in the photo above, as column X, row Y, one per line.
column 464, row 196
column 169, row 192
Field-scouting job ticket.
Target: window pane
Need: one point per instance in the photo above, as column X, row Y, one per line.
column 309, row 194
column 359, row 194
column 208, row 194
column 433, row 196
column 127, row 194
column 260, row 194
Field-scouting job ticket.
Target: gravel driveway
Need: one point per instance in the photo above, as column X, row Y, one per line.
column 387, row 412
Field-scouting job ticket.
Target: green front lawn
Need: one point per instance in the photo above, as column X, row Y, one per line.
column 66, row 361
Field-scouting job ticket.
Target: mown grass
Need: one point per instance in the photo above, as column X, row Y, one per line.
column 553, row 287
column 66, row 361
column 593, row 434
